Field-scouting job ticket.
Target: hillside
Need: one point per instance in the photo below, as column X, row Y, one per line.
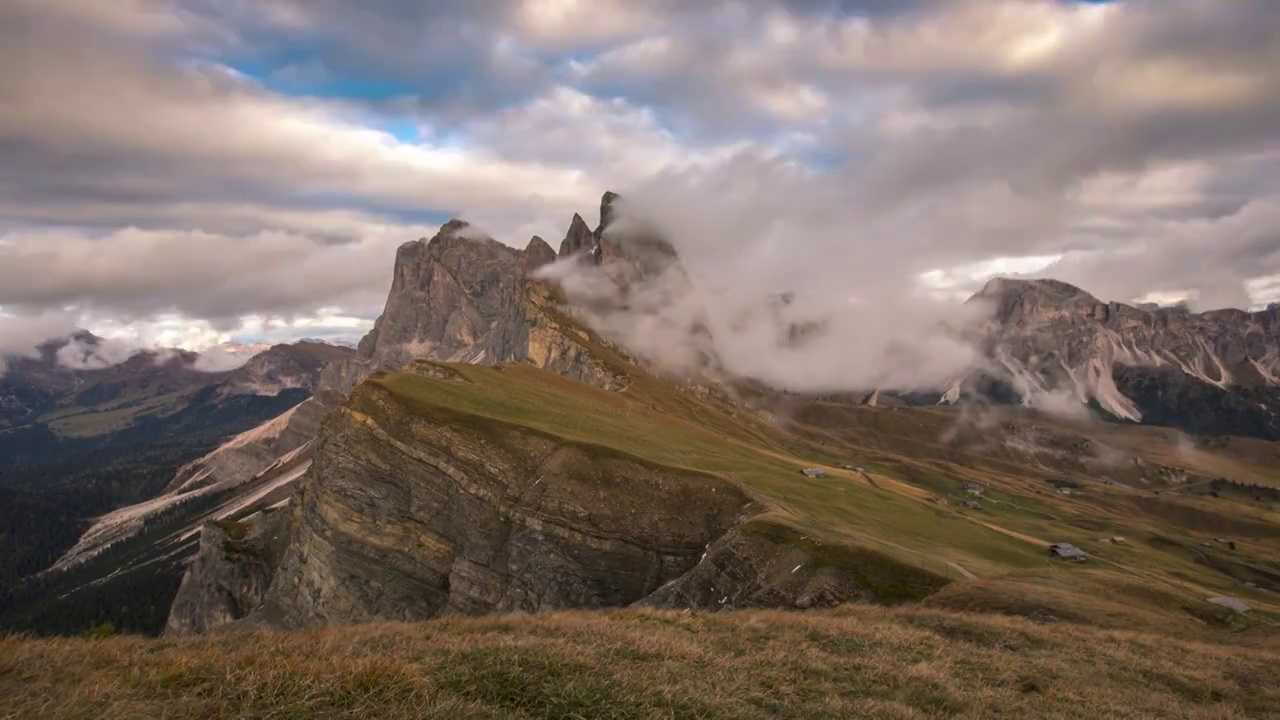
column 429, row 482
column 856, row 661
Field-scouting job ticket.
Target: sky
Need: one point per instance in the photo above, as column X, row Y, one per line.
column 189, row 172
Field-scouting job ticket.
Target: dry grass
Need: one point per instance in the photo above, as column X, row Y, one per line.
column 857, row 661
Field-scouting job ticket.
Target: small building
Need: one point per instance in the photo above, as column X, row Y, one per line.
column 973, row 503
column 813, row 472
column 1067, row 552
column 974, row 488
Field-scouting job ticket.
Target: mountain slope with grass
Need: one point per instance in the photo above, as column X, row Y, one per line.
column 453, row 488
column 545, row 471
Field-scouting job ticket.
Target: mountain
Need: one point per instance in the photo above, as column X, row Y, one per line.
column 1214, row 373
column 485, row 450
column 486, row 476
column 455, row 296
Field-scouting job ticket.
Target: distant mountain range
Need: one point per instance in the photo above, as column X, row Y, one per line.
column 1212, row 373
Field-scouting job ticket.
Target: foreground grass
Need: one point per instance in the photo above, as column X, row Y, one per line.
column 858, row 661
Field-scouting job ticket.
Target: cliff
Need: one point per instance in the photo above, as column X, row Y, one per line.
column 409, row 515
column 1216, row 372
column 230, row 573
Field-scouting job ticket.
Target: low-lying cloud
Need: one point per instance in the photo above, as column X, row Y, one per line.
column 79, row 351
column 786, row 296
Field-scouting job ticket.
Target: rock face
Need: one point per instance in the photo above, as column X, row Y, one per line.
column 406, row 516
column 1215, row 372
column 463, row 298
column 580, row 240
column 446, row 294
column 762, row 564
column 230, row 574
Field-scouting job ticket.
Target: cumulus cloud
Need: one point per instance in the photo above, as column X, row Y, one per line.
column 232, row 162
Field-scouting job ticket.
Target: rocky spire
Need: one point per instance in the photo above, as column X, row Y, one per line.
column 536, row 254
column 578, row 239
column 607, row 212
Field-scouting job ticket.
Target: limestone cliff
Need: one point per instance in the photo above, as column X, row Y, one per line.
column 446, row 294
column 231, row 572
column 408, row 515
column 1216, row 372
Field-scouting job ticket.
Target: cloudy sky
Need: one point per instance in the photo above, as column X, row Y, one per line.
column 185, row 172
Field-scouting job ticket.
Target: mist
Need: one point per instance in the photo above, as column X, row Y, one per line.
column 855, row 314
column 23, row 340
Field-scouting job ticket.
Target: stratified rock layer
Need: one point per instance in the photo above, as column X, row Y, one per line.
column 1214, row 373
column 231, row 573
column 410, row 516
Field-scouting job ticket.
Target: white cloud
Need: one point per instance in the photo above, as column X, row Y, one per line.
column 1137, row 143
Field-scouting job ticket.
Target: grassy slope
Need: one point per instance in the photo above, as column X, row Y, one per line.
column 909, row 504
column 660, row 423
column 858, row 661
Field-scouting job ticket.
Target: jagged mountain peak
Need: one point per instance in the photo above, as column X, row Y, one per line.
column 1205, row 372
column 579, row 238
column 1044, row 288
column 536, row 254
column 1016, row 298
column 607, row 212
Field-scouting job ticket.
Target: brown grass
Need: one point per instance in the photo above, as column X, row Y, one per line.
column 857, row 661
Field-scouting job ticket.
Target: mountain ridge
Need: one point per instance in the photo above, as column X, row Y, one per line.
column 459, row 300
column 1046, row 336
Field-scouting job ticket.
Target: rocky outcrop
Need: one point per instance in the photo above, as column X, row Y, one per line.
column 536, row 254
column 579, row 241
column 1167, row 366
column 409, row 516
column 765, row 564
column 231, row 573
column 446, row 295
